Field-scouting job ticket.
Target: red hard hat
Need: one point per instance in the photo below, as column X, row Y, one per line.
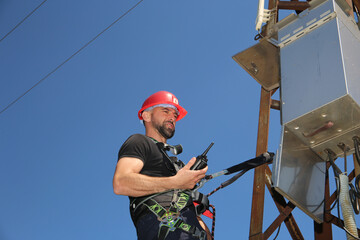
column 162, row 97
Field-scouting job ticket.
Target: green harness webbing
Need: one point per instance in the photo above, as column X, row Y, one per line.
column 170, row 218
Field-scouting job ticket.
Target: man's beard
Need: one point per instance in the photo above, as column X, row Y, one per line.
column 164, row 131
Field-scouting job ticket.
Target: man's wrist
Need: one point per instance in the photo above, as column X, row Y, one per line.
column 172, row 182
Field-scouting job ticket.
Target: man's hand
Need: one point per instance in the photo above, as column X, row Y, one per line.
column 186, row 178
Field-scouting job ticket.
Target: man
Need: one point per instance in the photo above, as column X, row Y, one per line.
column 157, row 185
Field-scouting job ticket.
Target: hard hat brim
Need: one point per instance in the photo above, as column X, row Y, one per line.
column 182, row 111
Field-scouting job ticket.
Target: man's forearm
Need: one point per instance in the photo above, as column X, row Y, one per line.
column 130, row 182
column 137, row 185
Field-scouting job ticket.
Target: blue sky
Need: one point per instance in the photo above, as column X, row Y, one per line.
column 59, row 143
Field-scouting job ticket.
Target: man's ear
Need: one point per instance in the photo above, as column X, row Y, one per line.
column 146, row 116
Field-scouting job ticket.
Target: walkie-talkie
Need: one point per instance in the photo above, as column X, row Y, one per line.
column 201, row 160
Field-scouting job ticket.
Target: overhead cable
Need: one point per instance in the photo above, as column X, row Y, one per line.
column 27, row 16
column 74, row 54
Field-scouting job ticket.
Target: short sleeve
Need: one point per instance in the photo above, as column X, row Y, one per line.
column 135, row 146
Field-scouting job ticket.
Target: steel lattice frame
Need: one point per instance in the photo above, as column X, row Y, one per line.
column 262, row 174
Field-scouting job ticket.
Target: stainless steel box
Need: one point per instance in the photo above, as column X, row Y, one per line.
column 320, row 96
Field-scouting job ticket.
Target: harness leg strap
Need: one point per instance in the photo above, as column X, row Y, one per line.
column 163, row 232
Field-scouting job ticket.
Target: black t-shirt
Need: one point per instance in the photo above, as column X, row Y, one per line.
column 155, row 165
column 144, row 148
column 155, row 162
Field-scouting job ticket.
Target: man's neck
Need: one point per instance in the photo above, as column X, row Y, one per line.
column 155, row 135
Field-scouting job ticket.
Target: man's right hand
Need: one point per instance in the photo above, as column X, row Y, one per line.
column 186, row 178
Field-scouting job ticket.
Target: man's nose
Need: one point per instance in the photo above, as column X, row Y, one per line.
column 173, row 117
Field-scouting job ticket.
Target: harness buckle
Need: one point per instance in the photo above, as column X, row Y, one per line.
column 169, row 219
column 201, row 234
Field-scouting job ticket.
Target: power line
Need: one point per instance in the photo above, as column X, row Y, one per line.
column 17, row 25
column 60, row 65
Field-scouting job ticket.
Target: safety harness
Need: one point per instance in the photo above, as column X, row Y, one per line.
column 169, row 216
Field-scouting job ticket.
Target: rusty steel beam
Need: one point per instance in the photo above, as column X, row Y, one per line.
column 357, row 4
column 275, row 104
column 258, row 198
column 280, row 203
column 293, row 5
column 352, row 175
column 274, row 91
column 257, row 207
column 260, row 178
column 338, row 222
column 351, row 11
column 277, row 222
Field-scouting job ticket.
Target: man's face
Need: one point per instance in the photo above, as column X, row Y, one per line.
column 163, row 120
